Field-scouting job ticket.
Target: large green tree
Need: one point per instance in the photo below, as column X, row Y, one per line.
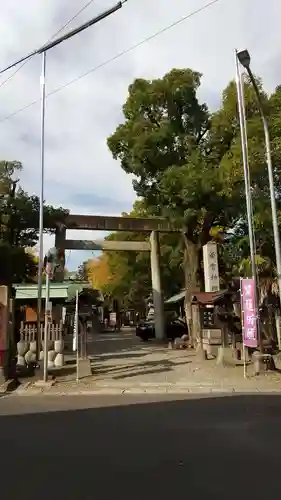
column 187, row 165
column 19, row 226
column 163, row 144
column 225, row 147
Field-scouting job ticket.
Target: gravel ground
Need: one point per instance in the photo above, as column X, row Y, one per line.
column 121, row 363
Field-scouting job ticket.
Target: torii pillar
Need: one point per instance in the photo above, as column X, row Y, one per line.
column 156, row 286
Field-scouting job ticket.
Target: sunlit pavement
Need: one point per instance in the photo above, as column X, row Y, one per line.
column 140, row 447
column 121, row 363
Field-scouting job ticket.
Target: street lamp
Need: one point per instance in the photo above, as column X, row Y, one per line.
column 245, row 59
column 248, row 194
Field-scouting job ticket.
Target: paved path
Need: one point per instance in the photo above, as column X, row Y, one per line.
column 140, row 448
column 121, row 363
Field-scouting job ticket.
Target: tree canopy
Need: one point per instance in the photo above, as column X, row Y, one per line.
column 19, row 226
column 186, row 164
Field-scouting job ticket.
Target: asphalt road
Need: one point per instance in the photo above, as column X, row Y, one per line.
column 140, row 448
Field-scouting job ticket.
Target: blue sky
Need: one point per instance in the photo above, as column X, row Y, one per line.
column 80, row 172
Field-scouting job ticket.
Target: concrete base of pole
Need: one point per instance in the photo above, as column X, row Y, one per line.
column 85, row 369
column 42, row 384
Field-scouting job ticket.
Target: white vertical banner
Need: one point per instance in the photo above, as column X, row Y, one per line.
column 75, row 326
column 211, row 267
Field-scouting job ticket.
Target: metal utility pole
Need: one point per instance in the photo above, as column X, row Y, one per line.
column 245, row 59
column 248, row 195
column 43, row 50
column 47, row 321
column 41, row 206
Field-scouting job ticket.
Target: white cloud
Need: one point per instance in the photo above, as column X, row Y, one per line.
column 80, row 171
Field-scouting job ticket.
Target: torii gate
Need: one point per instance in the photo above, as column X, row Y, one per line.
column 152, row 225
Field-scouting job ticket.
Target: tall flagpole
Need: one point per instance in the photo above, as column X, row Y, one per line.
column 41, row 206
column 242, row 120
column 248, row 195
column 47, row 321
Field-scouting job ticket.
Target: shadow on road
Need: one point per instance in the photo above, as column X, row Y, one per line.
column 123, row 371
column 130, row 371
column 122, row 356
column 208, row 448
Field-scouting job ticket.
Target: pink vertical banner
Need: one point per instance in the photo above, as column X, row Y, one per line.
column 250, row 319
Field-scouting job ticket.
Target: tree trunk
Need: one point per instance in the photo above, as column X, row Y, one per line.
column 191, row 262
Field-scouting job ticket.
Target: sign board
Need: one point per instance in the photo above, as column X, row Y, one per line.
column 249, row 313
column 211, row 267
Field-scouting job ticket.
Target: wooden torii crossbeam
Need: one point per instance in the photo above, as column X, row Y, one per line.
column 113, row 223
column 110, row 245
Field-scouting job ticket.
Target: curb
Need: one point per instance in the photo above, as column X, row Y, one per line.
column 28, row 389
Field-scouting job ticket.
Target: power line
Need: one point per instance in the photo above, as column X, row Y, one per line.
column 49, row 40
column 67, row 36
column 114, row 58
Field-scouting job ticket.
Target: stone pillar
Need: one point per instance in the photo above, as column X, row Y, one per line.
column 60, row 245
column 4, row 337
column 156, row 286
column 211, row 267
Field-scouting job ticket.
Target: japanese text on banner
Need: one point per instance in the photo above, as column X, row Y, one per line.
column 250, row 320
